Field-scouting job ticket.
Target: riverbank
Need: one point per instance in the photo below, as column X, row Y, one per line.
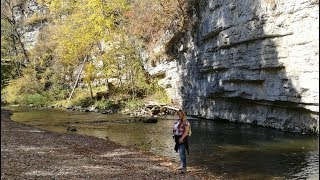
column 31, row 153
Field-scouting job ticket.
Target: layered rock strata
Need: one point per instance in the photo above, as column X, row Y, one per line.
column 246, row 61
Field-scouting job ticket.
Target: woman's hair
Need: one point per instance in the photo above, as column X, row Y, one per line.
column 182, row 112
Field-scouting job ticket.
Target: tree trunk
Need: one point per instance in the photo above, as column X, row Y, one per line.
column 132, row 84
column 119, row 74
column 16, row 32
column 17, row 64
column 91, row 93
column 107, row 86
column 76, row 83
column 22, row 46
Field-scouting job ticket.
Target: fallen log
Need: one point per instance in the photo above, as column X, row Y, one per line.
column 171, row 108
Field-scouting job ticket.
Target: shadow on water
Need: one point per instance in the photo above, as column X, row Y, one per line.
column 244, row 151
column 234, row 151
column 234, row 71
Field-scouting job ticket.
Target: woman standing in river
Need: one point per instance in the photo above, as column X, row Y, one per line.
column 181, row 132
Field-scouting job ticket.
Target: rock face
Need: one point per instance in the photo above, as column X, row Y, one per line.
column 32, row 16
column 251, row 61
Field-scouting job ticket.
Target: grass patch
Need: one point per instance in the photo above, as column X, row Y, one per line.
column 37, row 99
column 133, row 104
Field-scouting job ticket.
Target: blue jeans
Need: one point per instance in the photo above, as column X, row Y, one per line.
column 183, row 157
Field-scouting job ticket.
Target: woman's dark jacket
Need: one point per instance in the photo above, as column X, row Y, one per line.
column 185, row 142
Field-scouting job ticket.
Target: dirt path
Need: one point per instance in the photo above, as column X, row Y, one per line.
column 31, row 153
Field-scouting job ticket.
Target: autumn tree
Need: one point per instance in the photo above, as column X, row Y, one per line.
column 13, row 50
column 84, row 40
column 80, row 28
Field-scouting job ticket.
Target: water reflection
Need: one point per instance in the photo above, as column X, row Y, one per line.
column 234, row 151
column 249, row 152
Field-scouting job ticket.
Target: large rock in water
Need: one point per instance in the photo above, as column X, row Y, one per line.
column 251, row 61
column 150, row 120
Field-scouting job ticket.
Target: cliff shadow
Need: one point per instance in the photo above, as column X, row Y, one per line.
column 248, row 62
column 235, row 64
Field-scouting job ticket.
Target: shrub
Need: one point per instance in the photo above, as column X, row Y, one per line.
column 37, row 99
column 161, row 96
column 82, row 99
column 61, row 103
column 36, row 18
column 157, row 92
column 104, row 104
column 19, row 89
column 56, row 93
column 101, row 104
column 134, row 104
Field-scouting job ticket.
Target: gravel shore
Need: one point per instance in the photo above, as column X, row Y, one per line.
column 31, row 153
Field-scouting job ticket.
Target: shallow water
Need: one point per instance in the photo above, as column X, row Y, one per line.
column 233, row 151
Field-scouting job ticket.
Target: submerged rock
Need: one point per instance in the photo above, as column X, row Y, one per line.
column 71, row 129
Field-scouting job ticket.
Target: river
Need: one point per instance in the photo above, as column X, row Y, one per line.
column 233, row 151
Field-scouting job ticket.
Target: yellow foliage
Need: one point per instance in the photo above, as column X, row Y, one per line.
column 89, row 73
column 149, row 18
column 17, row 89
column 80, row 25
column 36, row 18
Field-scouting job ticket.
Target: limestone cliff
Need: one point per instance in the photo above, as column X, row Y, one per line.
column 251, row 61
column 32, row 18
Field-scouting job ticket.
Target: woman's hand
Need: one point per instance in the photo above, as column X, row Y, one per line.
column 180, row 140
